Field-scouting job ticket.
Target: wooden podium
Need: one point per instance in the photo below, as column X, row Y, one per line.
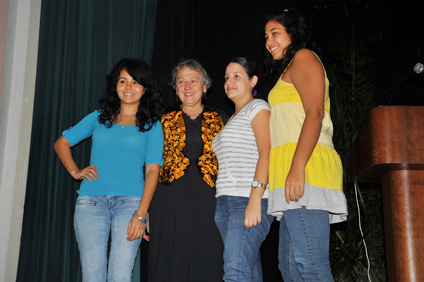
column 389, row 149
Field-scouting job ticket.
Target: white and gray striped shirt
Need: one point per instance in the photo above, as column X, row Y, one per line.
column 237, row 153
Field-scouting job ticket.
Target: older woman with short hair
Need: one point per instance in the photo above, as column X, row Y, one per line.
column 185, row 244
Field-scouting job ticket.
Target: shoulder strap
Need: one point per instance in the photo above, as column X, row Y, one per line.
column 287, row 67
column 321, row 63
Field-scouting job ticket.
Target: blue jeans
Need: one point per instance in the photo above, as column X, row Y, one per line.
column 303, row 251
column 242, row 261
column 97, row 217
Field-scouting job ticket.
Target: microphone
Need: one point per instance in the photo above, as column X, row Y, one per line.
column 419, row 68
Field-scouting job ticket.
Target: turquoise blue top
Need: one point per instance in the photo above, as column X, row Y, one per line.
column 119, row 153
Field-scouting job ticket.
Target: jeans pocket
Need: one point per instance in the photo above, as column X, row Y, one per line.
column 131, row 200
column 86, row 201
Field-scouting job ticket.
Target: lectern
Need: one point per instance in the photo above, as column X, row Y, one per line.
column 389, row 148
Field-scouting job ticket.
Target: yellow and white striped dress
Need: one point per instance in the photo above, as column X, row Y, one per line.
column 323, row 172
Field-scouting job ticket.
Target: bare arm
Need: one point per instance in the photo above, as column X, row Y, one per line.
column 135, row 227
column 260, row 126
column 63, row 151
column 307, row 76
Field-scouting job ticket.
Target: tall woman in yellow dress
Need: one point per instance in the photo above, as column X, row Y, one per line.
column 306, row 186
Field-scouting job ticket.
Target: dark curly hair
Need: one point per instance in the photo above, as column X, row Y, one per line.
column 300, row 37
column 150, row 107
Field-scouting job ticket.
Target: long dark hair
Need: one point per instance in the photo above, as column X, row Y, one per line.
column 150, row 107
column 300, row 37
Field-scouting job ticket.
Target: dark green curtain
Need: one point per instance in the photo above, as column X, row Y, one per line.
column 79, row 42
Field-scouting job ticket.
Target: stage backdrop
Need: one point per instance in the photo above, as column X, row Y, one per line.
column 79, row 42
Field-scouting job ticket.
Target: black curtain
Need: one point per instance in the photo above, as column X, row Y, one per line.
column 79, row 42
column 213, row 32
column 210, row 32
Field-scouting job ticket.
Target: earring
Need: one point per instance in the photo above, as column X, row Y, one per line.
column 254, row 92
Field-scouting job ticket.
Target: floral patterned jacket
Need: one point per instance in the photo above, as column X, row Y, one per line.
column 174, row 161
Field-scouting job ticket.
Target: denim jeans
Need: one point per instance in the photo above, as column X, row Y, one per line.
column 303, row 251
column 97, row 217
column 242, row 261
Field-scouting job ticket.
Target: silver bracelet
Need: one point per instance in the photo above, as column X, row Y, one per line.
column 140, row 218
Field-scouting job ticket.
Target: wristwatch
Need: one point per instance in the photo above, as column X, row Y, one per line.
column 257, row 183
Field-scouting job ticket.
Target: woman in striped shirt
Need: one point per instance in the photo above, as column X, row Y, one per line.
column 242, row 149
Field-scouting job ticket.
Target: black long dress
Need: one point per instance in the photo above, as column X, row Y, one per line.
column 185, row 244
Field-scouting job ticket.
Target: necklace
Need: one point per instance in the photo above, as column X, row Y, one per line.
column 125, row 120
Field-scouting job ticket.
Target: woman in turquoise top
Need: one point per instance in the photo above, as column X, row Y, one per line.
column 115, row 194
column 306, row 187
